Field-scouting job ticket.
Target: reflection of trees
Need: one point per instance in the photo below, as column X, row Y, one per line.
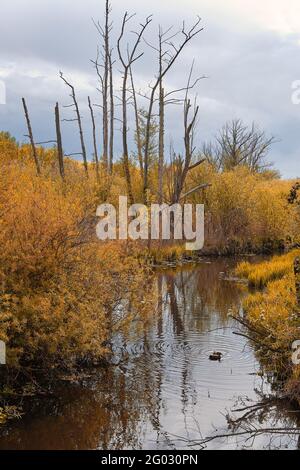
column 198, row 295
column 105, row 414
column 283, row 422
column 196, row 300
column 247, row 426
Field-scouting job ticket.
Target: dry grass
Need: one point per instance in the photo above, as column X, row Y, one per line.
column 259, row 275
column 274, row 315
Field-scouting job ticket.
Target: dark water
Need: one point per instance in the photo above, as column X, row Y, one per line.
column 164, row 393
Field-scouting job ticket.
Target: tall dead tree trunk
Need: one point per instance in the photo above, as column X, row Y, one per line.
column 161, row 143
column 30, row 135
column 79, row 122
column 59, row 143
column 127, row 62
column 124, row 138
column 161, row 120
column 105, row 85
column 106, row 82
column 94, row 140
column 112, row 115
column 137, row 126
column 183, row 165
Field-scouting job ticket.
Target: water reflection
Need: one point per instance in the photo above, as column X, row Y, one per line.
column 163, row 390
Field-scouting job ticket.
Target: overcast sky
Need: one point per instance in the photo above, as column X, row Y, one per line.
column 249, row 51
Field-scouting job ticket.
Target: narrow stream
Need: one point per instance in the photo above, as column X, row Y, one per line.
column 165, row 393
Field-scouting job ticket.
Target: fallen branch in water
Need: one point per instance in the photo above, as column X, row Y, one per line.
column 249, row 432
column 261, row 333
column 262, row 345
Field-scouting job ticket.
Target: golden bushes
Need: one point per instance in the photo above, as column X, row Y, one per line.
column 62, row 293
column 245, row 208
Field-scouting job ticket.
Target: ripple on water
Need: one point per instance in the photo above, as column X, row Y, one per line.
column 186, row 357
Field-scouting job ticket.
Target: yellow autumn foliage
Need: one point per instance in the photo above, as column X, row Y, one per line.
column 245, row 212
column 259, row 275
column 62, row 293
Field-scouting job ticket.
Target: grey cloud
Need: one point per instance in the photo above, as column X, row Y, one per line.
column 249, row 72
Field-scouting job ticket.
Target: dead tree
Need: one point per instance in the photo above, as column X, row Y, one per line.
column 182, row 166
column 238, row 144
column 161, row 148
column 163, row 39
column 137, row 126
column 112, row 115
column 78, row 119
column 94, row 139
column 169, row 59
column 30, row 135
column 59, row 143
column 161, row 122
column 106, row 86
column 127, row 62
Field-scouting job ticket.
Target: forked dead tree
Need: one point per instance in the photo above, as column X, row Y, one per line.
column 170, row 58
column 106, row 84
column 181, row 166
column 127, row 61
column 164, row 38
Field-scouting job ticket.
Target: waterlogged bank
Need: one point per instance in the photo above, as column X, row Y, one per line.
column 273, row 316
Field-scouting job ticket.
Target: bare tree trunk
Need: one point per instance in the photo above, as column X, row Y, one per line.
column 127, row 62
column 183, row 166
column 124, row 138
column 147, row 145
column 30, row 135
column 81, row 138
column 78, row 118
column 59, row 144
column 112, row 116
column 105, row 85
column 161, row 143
column 94, row 139
column 137, row 126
